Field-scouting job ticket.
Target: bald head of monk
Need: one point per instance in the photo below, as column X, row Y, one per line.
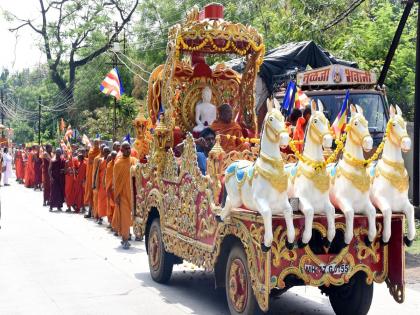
column 225, row 113
column 48, row 148
column 106, row 151
column 116, row 146
column 126, row 149
column 58, row 152
column 96, row 143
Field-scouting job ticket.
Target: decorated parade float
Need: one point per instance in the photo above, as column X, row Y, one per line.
column 262, row 225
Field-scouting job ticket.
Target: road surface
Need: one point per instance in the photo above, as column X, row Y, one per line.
column 61, row 263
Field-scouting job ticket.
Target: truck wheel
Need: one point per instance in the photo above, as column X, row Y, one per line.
column 160, row 262
column 239, row 293
column 354, row 297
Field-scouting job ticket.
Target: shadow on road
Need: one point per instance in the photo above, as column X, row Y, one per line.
column 195, row 290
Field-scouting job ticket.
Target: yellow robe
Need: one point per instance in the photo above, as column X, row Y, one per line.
column 93, row 153
column 123, row 196
column 95, row 171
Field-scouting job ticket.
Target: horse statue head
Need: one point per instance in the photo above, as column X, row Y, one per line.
column 357, row 129
column 398, row 135
column 274, row 129
column 318, row 129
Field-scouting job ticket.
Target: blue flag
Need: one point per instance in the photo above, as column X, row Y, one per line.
column 289, row 98
column 127, row 138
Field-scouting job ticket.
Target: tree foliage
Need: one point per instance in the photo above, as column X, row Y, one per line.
column 355, row 30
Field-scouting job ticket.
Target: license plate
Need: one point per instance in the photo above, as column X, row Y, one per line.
column 331, row 269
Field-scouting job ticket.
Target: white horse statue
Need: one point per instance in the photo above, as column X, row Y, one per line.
column 389, row 190
column 350, row 180
column 309, row 180
column 262, row 186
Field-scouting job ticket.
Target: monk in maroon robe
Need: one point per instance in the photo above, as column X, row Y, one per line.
column 46, row 183
column 37, row 170
column 56, row 171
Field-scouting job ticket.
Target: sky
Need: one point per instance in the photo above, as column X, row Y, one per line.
column 21, row 53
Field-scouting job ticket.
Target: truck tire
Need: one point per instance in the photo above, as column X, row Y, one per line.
column 351, row 298
column 239, row 294
column 160, row 261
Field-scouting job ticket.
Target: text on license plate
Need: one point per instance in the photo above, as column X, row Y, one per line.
column 331, row 268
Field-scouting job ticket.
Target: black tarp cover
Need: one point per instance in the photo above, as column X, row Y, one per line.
column 287, row 58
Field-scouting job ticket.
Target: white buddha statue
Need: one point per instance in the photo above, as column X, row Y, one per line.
column 205, row 112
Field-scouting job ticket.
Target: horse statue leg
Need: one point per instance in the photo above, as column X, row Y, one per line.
column 409, row 215
column 265, row 211
column 226, row 210
column 371, row 215
column 330, row 214
column 308, row 211
column 349, row 215
column 385, row 208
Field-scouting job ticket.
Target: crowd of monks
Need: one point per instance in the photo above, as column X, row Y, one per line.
column 94, row 181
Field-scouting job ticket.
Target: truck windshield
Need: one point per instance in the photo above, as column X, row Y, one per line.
column 372, row 104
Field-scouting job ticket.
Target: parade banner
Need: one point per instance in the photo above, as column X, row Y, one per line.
column 335, row 75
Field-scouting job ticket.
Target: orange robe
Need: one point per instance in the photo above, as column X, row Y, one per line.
column 95, row 170
column 30, row 171
column 110, row 204
column 71, row 166
column 19, row 165
column 232, row 129
column 100, row 184
column 93, row 153
column 79, row 186
column 123, row 196
column 299, row 133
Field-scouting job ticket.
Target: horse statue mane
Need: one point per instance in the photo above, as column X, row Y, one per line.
column 262, row 186
column 390, row 180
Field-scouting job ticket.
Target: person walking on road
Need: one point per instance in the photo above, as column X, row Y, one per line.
column 46, row 160
column 122, row 193
column 7, row 166
column 56, row 172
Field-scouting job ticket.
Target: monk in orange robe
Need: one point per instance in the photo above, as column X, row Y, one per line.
column 70, row 171
column 30, row 170
column 79, row 184
column 228, row 129
column 19, row 165
column 100, row 185
column 93, row 153
column 110, row 204
column 122, row 193
column 95, row 169
column 299, row 132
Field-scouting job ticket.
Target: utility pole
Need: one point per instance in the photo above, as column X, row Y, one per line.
column 39, row 120
column 116, row 49
column 2, row 114
column 416, row 146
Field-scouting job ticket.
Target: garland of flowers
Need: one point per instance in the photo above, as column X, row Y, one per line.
column 210, row 40
column 340, row 146
column 319, row 164
column 375, row 156
column 243, row 139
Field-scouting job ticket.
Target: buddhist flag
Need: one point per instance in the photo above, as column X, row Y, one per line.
column 301, row 99
column 289, row 98
column 341, row 119
column 112, row 84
